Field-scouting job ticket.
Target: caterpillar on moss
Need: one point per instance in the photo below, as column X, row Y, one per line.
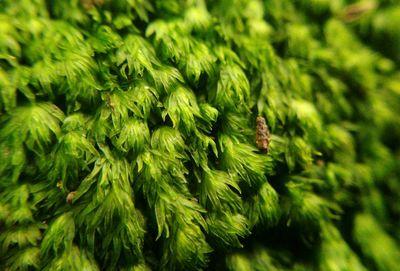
column 262, row 134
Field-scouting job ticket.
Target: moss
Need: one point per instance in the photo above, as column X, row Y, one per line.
column 128, row 135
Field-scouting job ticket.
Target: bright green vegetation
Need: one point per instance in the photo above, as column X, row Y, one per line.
column 142, row 113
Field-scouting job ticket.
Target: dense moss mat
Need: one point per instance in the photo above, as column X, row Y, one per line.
column 128, row 135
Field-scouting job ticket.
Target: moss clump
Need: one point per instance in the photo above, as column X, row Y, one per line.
column 128, row 135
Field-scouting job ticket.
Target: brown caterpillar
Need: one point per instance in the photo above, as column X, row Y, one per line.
column 262, row 134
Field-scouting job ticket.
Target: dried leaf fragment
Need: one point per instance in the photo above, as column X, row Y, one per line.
column 70, row 197
column 89, row 4
column 356, row 11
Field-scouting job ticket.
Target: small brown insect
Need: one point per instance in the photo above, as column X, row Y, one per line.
column 70, row 197
column 262, row 134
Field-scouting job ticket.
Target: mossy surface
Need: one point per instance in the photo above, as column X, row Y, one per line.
column 128, row 135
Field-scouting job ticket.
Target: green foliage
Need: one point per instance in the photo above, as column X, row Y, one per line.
column 128, row 135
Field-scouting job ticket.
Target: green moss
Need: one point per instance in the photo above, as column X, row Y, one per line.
column 128, row 135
